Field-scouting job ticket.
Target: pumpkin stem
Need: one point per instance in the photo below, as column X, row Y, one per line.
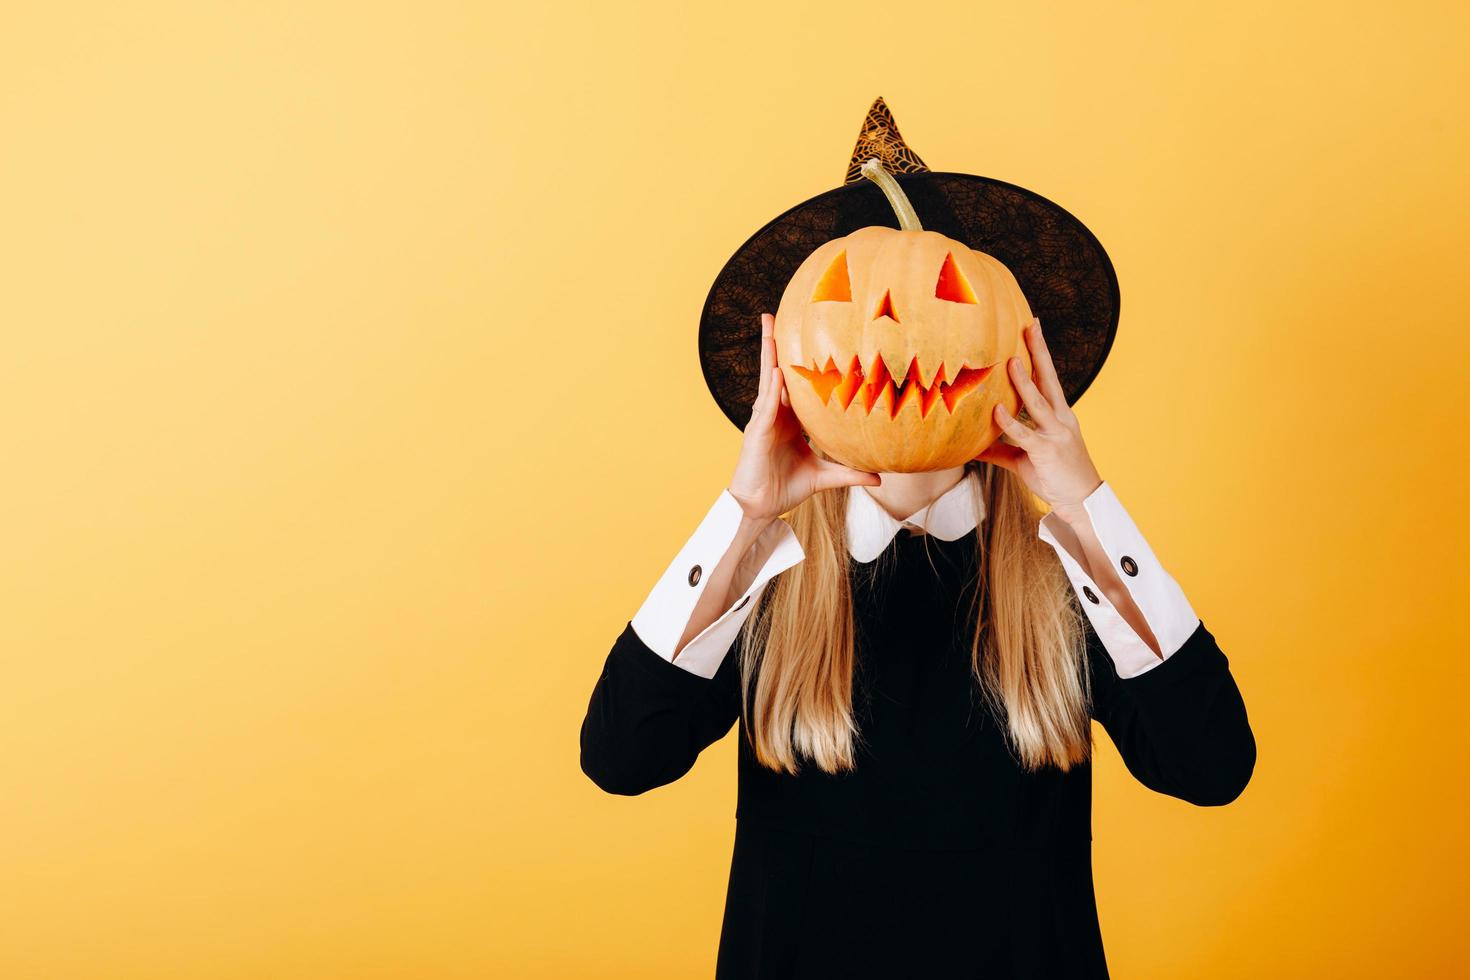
column 908, row 218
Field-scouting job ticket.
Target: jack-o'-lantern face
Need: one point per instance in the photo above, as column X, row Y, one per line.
column 894, row 346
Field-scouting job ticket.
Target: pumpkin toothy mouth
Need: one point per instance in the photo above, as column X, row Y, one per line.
column 854, row 386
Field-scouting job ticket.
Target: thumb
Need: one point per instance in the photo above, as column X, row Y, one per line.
column 832, row 475
column 1002, row 454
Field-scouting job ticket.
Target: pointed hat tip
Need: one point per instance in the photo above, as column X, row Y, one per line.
column 879, row 137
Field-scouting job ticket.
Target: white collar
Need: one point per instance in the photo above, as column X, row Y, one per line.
column 949, row 517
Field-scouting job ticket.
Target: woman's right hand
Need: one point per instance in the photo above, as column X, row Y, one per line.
column 777, row 469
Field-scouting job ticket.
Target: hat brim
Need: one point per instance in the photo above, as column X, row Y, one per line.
column 1061, row 267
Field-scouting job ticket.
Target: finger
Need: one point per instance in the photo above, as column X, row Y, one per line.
column 763, row 412
column 772, row 397
column 831, row 475
column 1036, row 404
column 1046, row 371
column 777, row 394
column 1020, row 433
column 768, row 346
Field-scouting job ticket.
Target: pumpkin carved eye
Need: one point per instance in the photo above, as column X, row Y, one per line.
column 834, row 285
column 952, row 285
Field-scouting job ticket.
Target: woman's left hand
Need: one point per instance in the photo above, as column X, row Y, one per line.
column 1051, row 458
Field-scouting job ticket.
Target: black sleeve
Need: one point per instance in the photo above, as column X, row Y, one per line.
column 1180, row 726
column 648, row 718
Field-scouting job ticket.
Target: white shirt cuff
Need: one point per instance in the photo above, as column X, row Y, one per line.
column 1160, row 599
column 664, row 615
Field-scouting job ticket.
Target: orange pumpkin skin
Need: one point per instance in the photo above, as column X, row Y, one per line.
column 894, row 347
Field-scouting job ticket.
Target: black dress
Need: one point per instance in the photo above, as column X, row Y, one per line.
column 939, row 856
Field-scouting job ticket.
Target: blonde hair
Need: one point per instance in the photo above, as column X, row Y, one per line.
column 1027, row 654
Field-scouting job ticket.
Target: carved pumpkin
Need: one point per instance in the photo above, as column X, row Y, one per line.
column 894, row 344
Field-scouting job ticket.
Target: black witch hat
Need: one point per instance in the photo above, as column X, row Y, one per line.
column 1062, row 270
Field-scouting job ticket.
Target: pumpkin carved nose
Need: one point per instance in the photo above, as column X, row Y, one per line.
column 885, row 308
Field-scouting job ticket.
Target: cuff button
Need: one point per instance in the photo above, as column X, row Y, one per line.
column 1091, row 596
column 1129, row 565
column 694, row 574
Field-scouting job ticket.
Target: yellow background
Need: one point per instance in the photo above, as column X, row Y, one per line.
column 349, row 406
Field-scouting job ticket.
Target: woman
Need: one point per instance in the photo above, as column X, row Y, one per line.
column 915, row 713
